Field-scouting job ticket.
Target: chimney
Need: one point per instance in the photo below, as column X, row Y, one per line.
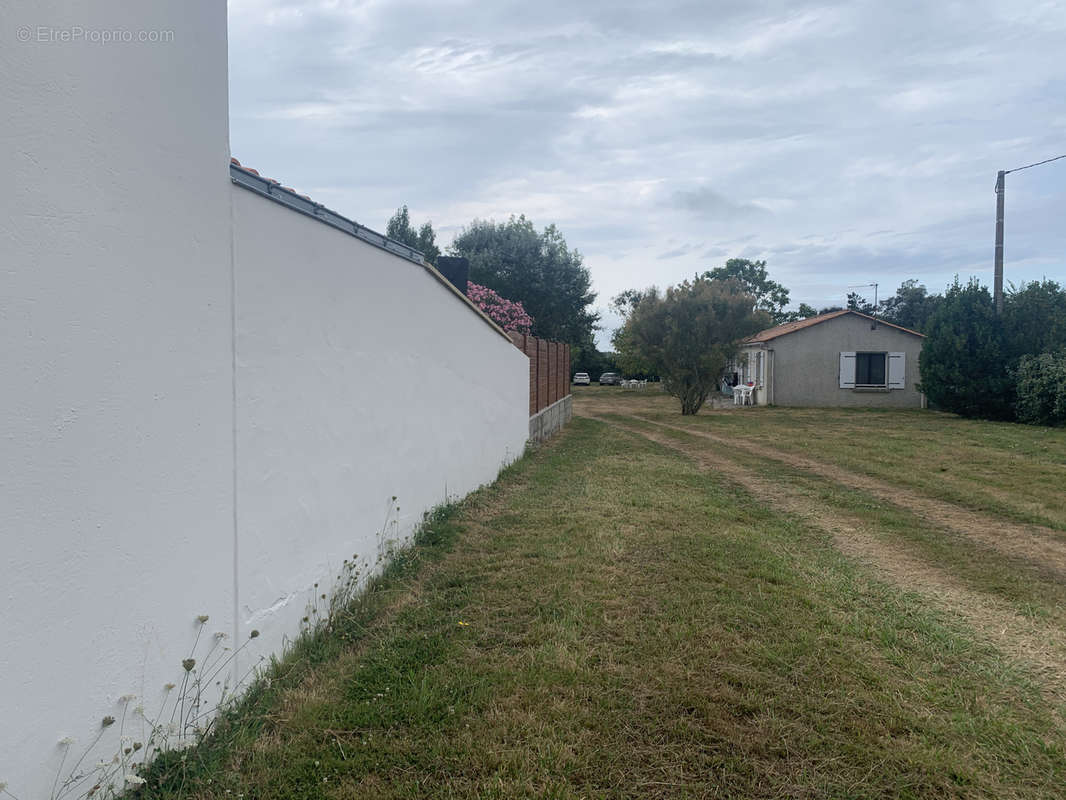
column 456, row 269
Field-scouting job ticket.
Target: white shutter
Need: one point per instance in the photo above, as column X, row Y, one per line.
column 847, row 370
column 896, row 364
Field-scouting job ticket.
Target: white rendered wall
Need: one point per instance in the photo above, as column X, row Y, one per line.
column 360, row 378
column 115, row 413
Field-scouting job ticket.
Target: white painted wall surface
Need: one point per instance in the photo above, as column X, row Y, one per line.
column 360, row 378
column 115, row 498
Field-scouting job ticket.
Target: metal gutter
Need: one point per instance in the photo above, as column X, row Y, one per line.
column 290, row 199
column 272, row 190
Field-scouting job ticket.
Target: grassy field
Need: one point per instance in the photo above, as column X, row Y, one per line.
column 747, row 603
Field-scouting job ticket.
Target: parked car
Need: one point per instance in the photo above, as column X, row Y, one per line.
column 582, row 379
column 610, row 379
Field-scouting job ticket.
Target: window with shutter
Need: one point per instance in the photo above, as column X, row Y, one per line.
column 873, row 370
column 897, row 370
column 847, row 370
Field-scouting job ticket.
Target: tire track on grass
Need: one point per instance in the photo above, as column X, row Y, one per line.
column 1036, row 544
column 1040, row 648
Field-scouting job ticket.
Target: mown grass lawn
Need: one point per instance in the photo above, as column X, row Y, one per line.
column 639, row 611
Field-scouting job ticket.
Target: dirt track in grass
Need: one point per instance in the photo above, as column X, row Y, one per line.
column 1036, row 643
column 1038, row 544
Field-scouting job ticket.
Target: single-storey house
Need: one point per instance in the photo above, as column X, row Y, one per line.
column 843, row 358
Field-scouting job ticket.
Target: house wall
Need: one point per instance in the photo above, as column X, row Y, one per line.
column 124, row 513
column 806, row 365
column 116, row 471
column 360, row 378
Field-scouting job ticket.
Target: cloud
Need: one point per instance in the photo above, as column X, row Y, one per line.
column 681, row 250
column 706, row 203
column 842, row 142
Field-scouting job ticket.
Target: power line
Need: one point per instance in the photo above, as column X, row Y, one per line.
column 1037, row 164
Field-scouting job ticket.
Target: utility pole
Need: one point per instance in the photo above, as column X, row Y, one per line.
column 1001, row 191
column 997, row 281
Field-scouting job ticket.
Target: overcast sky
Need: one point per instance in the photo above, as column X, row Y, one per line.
column 845, row 143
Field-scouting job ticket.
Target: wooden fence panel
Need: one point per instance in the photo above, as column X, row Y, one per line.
column 531, row 351
column 542, row 374
column 549, row 370
column 566, row 370
column 553, row 372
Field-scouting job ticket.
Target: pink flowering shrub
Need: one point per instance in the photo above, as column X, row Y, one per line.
column 507, row 314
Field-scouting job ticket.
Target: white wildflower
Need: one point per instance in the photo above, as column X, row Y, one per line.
column 134, row 780
column 127, row 697
column 66, row 741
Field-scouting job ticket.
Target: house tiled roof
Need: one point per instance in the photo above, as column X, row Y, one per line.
column 798, row 325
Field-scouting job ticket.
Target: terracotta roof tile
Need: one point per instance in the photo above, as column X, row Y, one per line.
column 237, row 163
column 798, row 325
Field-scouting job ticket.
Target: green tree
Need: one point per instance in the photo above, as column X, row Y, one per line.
column 536, row 269
column 688, row 335
column 803, row 312
column 770, row 296
column 585, row 357
column 624, row 302
column 1034, row 318
column 964, row 364
column 1042, row 388
column 856, row 302
column 424, row 239
column 910, row 307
